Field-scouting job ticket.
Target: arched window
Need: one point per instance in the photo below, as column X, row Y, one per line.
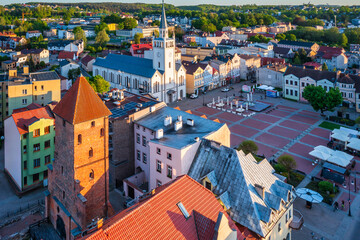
column 91, row 174
column 91, row 153
column 102, row 132
column 79, row 139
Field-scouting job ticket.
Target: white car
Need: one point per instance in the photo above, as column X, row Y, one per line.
column 225, row 90
column 193, row 96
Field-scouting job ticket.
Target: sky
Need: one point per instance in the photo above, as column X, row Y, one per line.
column 217, row 2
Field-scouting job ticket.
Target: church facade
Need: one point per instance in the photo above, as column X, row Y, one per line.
column 161, row 76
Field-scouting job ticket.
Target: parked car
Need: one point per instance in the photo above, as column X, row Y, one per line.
column 225, row 90
column 193, row 96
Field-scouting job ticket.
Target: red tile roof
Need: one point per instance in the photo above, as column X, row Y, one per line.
column 66, row 55
column 29, row 107
column 159, row 217
column 268, row 61
column 85, row 60
column 313, row 64
column 81, row 103
column 25, row 118
column 141, row 48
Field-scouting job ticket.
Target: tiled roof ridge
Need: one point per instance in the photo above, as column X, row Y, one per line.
column 77, row 99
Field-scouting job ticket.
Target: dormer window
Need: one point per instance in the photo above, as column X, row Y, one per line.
column 208, row 185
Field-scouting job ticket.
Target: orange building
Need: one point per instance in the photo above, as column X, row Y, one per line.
column 78, row 192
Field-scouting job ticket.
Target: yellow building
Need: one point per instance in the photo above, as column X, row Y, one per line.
column 112, row 26
column 198, row 77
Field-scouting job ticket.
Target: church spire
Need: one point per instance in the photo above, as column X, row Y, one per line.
column 163, row 24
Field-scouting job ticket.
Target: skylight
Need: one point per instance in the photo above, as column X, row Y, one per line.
column 183, row 210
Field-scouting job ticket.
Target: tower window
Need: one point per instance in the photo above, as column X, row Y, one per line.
column 169, row 64
column 159, row 64
column 93, row 124
column 79, row 139
column 91, row 153
column 102, row 132
column 91, row 175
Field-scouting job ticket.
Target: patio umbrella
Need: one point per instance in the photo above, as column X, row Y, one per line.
column 324, row 149
column 247, row 106
column 309, row 195
column 213, row 101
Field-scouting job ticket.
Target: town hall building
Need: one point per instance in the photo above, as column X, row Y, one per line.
column 160, row 76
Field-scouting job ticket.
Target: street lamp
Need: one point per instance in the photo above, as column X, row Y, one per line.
column 349, row 198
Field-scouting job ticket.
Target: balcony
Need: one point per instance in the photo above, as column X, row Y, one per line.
column 297, row 220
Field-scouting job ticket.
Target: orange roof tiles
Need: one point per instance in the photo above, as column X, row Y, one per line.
column 159, row 217
column 177, row 108
column 217, row 120
column 81, row 103
column 204, row 116
column 25, row 118
column 188, row 111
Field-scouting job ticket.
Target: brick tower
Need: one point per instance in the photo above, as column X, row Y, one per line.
column 78, row 190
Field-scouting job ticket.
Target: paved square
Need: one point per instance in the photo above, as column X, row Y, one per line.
column 321, row 132
column 243, row 131
column 304, row 119
column 236, row 140
column 197, row 113
column 294, row 125
column 311, row 114
column 279, row 113
column 302, row 150
column 207, row 110
column 255, row 124
column 345, row 197
column 229, row 116
column 302, row 164
column 266, row 118
column 313, row 141
column 273, row 140
column 268, row 151
column 284, row 132
column 287, row 108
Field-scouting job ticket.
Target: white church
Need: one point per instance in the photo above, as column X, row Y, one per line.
column 158, row 74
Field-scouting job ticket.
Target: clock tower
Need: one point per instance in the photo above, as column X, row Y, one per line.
column 164, row 53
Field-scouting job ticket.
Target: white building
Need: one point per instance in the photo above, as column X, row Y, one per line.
column 31, row 34
column 158, row 76
column 66, row 66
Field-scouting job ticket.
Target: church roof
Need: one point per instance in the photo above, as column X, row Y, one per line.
column 163, row 23
column 81, row 103
column 129, row 64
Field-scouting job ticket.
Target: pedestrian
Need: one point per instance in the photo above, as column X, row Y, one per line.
column 336, row 206
column 343, row 204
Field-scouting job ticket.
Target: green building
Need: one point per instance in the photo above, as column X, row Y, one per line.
column 29, row 146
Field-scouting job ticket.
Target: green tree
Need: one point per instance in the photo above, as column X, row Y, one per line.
column 130, row 23
column 325, row 67
column 248, row 146
column 74, row 73
column 102, row 38
column 155, row 23
column 321, row 100
column 343, row 40
column 209, row 28
column 80, row 34
column 357, row 121
column 291, row 37
column 156, row 33
column 297, row 60
column 100, row 27
column 99, row 84
column 288, row 162
column 280, row 36
column 41, row 38
column 137, row 37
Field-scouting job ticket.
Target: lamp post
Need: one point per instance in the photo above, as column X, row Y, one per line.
column 349, row 198
column 203, row 99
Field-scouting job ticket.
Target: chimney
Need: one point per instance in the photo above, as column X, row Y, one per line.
column 167, row 121
column 159, row 133
column 178, row 125
column 26, row 69
column 190, row 122
column 260, row 190
column 197, row 139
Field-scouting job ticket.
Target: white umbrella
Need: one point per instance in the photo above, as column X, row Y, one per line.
column 251, row 97
column 309, row 195
column 354, row 143
column 237, row 103
column 319, row 155
column 324, row 149
column 227, row 101
column 219, row 99
column 247, row 106
column 248, row 97
column 213, row 101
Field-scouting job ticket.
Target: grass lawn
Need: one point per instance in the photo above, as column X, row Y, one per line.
column 329, row 125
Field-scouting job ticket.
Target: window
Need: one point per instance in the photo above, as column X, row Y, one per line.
column 138, row 155
column 169, row 156
column 63, row 194
column 158, row 166
column 35, row 88
column 25, row 164
column 169, row 64
column 290, row 214
column 137, row 126
column 144, row 158
column 24, row 91
column 279, row 227
column 169, row 171
column 144, row 129
column 93, row 124
column 79, row 139
column 287, row 81
column 208, row 185
column 25, row 149
column 287, row 91
column 91, row 153
column 303, row 84
column 47, row 130
column 45, row 174
column 144, row 141
column 102, row 132
column 296, row 83
column 158, row 183
column 47, row 144
column 296, row 93
column 36, row 162
column 138, row 138
column 159, row 64
column 42, row 87
column 25, row 181
column 36, row 147
column 24, row 136
column 47, row 159
column 36, row 133
column 91, row 175
column 158, row 151
column 291, row 92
